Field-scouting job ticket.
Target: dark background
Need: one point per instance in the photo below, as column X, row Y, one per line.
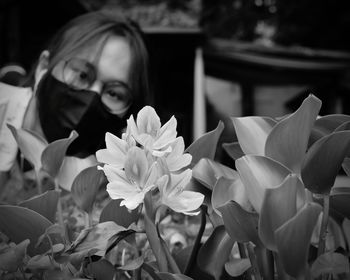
column 27, row 25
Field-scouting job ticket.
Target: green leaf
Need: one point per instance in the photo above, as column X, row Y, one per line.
column 289, row 138
column 346, row 230
column 12, row 258
column 214, row 253
column 20, row 223
column 100, row 270
column 52, row 157
column 330, row 263
column 71, row 167
column 343, row 127
column 240, row 224
column 293, row 239
column 42, row 262
column 234, row 150
column 237, row 267
column 208, row 171
column 205, row 146
column 259, row 173
column 119, row 214
column 85, row 187
column 44, row 204
column 323, row 161
column 346, row 166
column 326, row 125
column 170, row 276
column 133, row 264
column 252, row 133
column 95, row 238
column 30, row 144
column 279, row 205
column 339, row 200
column 229, row 189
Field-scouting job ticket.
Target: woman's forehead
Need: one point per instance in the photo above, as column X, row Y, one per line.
column 110, row 55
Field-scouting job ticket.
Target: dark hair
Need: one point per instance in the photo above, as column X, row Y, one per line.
column 88, row 30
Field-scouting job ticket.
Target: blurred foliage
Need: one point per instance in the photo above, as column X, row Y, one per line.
column 311, row 23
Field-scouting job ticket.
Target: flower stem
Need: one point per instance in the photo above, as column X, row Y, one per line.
column 152, row 235
column 197, row 242
column 323, row 232
column 59, row 206
column 38, row 182
column 253, row 261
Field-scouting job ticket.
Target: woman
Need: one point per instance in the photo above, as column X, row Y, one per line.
column 92, row 76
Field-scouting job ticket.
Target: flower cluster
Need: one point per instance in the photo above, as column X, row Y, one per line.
column 149, row 157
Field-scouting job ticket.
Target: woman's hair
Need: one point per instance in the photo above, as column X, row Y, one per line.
column 93, row 29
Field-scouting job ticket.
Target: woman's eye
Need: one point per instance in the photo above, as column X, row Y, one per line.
column 79, row 74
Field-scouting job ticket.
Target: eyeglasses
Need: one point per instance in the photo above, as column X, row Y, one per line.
column 81, row 74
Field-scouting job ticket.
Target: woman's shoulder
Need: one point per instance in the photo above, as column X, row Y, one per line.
column 13, row 105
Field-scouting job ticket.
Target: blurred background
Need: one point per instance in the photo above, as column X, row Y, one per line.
column 257, row 57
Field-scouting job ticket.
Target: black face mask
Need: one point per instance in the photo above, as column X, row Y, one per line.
column 63, row 109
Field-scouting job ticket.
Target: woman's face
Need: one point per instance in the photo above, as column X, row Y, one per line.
column 106, row 73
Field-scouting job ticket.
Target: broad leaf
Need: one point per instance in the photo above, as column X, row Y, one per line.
column 71, row 167
column 85, row 187
column 279, row 205
column 133, row 264
column 100, row 270
column 52, row 157
column 44, row 204
column 346, row 230
column 323, row 161
column 42, row 262
column 289, row 138
column 237, row 267
column 214, row 253
column 208, row 171
column 12, row 258
column 229, row 189
column 339, row 200
column 119, row 214
column 170, row 276
column 234, row 150
column 205, row 146
column 19, row 223
column 343, row 127
column 293, row 243
column 346, row 166
column 330, row 263
column 95, row 238
column 326, row 125
column 259, row 173
column 252, row 133
column 240, row 224
column 30, row 144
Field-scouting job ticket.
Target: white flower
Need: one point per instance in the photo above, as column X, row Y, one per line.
column 134, row 182
column 116, row 149
column 149, row 133
column 176, row 159
column 173, row 195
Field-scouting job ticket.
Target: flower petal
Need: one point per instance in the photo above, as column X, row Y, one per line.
column 115, row 174
column 148, row 121
column 133, row 201
column 118, row 190
column 136, row 166
column 167, row 134
column 177, row 159
column 105, row 156
column 178, row 182
column 186, row 202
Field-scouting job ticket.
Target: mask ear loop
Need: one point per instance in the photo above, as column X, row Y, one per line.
column 38, row 78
